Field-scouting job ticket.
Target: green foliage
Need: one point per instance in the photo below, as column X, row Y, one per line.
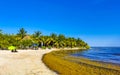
column 43, row 47
column 26, row 44
column 49, row 47
column 22, row 33
column 24, row 40
column 37, row 34
column 87, row 47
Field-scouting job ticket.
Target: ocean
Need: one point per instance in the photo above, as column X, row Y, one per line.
column 103, row 54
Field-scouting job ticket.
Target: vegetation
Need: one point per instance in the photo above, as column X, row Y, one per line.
column 63, row 64
column 23, row 40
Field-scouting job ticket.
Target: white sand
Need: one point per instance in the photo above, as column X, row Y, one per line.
column 24, row 62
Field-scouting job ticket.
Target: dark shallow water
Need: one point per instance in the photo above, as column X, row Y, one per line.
column 104, row 54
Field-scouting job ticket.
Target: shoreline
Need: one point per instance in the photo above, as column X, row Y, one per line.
column 53, row 55
column 28, row 62
column 76, row 66
column 97, row 61
column 94, row 62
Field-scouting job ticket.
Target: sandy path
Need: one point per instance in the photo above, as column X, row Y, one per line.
column 25, row 62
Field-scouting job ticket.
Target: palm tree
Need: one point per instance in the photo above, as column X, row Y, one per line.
column 0, row 31
column 53, row 35
column 56, row 44
column 22, row 33
column 42, row 40
column 49, row 41
column 54, row 40
column 37, row 34
column 61, row 37
column 26, row 43
column 36, row 37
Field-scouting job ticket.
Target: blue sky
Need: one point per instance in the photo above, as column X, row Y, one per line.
column 95, row 21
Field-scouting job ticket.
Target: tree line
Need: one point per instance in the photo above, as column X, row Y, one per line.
column 22, row 40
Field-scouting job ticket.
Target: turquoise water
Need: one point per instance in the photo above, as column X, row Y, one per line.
column 104, row 54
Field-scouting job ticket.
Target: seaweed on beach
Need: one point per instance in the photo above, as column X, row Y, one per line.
column 56, row 61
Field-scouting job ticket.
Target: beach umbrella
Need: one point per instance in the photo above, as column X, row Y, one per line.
column 11, row 48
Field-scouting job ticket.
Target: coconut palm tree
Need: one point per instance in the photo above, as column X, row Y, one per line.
column 37, row 34
column 56, row 44
column 22, row 33
column 54, row 36
column 36, row 37
column 54, row 40
column 0, row 31
column 42, row 40
column 49, row 41
column 61, row 37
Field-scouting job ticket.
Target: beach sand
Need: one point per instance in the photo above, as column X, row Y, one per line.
column 24, row 62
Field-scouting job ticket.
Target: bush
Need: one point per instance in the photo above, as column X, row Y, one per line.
column 25, row 44
column 87, row 47
column 43, row 47
column 49, row 47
